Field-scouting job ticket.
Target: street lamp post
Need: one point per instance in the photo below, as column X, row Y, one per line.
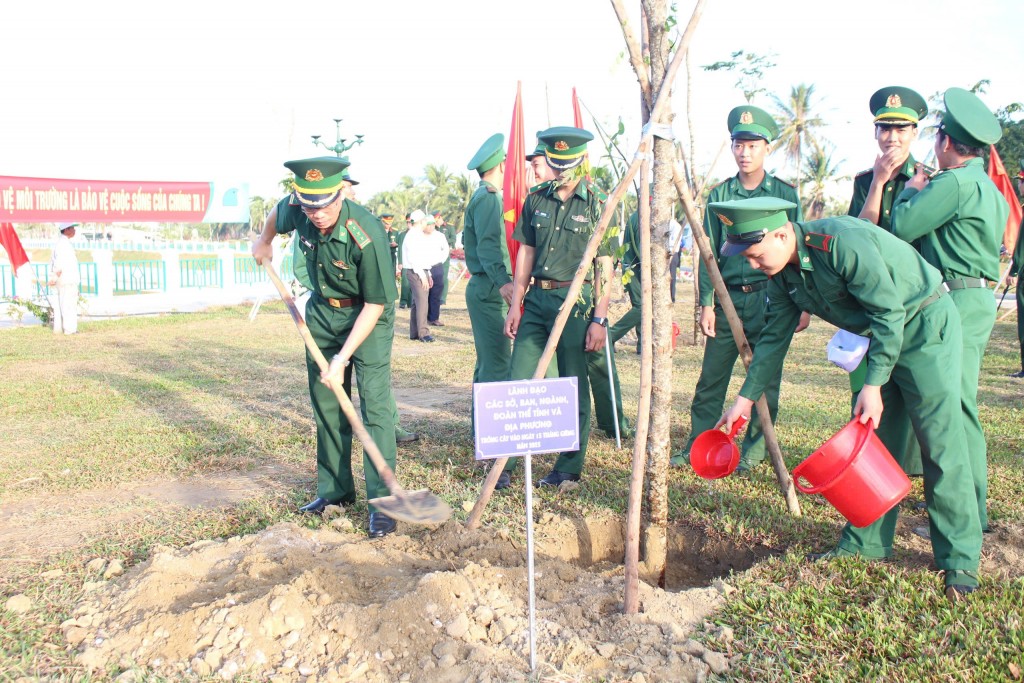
column 339, row 148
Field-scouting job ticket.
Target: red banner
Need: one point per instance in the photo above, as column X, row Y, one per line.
column 514, row 191
column 52, row 200
column 997, row 172
column 12, row 245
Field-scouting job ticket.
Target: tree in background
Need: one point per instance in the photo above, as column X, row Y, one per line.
column 820, row 172
column 798, row 126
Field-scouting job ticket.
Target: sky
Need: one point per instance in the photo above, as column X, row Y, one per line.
column 225, row 90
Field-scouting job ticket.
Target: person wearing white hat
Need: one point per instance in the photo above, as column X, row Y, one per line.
column 64, row 281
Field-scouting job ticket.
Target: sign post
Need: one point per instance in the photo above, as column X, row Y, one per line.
column 518, row 419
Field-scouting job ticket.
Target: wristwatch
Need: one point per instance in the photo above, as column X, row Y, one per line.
column 603, row 322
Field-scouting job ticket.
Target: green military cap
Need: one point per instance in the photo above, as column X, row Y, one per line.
column 565, row 146
column 538, row 151
column 751, row 123
column 318, row 180
column 747, row 221
column 895, row 105
column 968, row 120
column 490, row 154
column 387, row 215
column 347, row 178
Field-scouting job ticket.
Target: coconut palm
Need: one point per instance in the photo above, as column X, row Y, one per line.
column 820, row 172
column 799, row 123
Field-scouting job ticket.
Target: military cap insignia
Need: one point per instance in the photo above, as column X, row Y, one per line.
column 894, row 101
column 725, row 220
column 746, row 118
column 354, row 229
column 314, row 175
column 561, row 146
column 340, row 264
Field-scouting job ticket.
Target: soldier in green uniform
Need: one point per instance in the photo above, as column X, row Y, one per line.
column 490, row 286
column 387, row 219
column 598, row 370
column 1016, row 276
column 956, row 220
column 630, row 264
column 871, row 283
column 897, row 111
column 405, row 289
column 752, row 131
column 556, row 223
column 349, row 317
column 448, row 230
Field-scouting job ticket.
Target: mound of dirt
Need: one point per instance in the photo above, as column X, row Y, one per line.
column 443, row 605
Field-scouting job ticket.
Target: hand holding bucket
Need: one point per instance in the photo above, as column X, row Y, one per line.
column 714, row 455
column 856, row 474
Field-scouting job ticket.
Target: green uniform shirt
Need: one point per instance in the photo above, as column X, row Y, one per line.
column 892, row 190
column 1018, row 253
column 856, row 277
column 352, row 261
column 959, row 218
column 631, row 240
column 392, row 236
column 736, row 271
column 559, row 231
column 483, row 236
column 448, row 230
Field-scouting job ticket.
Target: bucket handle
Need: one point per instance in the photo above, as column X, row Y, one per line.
column 797, row 471
column 737, row 426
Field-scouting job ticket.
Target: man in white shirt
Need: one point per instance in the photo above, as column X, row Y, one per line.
column 64, row 281
column 420, row 251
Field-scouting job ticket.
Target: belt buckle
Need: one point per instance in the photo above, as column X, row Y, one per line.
column 746, row 289
column 546, row 285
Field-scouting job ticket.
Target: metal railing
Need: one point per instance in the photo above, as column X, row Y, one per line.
column 140, row 276
column 201, row 272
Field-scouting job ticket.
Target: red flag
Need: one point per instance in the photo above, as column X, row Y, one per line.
column 577, row 115
column 997, row 172
column 12, row 245
column 514, row 190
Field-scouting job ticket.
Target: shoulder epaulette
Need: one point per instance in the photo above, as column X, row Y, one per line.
column 356, row 230
column 864, row 172
column 591, row 187
column 538, row 188
column 819, row 241
column 784, row 182
column 491, row 189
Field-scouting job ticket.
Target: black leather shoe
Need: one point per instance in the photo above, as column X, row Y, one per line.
column 555, row 478
column 427, row 339
column 1018, row 375
column 318, row 505
column 381, row 525
column 504, row 481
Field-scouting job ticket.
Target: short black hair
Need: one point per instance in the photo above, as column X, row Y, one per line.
column 962, row 148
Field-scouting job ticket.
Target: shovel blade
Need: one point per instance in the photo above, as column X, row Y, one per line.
column 414, row 507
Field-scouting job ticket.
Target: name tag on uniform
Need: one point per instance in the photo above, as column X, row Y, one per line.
column 541, row 214
column 309, row 245
column 579, row 219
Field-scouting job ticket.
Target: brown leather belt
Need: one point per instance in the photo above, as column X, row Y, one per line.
column 554, row 284
column 340, row 303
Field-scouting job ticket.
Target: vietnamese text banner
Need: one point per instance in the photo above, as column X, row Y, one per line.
column 40, row 200
column 526, row 416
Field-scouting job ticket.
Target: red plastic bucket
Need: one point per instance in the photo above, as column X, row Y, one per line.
column 713, row 454
column 856, row 473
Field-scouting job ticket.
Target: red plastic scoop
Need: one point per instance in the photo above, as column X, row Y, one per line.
column 714, row 455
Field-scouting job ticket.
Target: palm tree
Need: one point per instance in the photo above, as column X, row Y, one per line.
column 820, row 171
column 258, row 210
column 800, row 123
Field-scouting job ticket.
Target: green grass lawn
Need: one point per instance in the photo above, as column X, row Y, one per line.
column 156, row 399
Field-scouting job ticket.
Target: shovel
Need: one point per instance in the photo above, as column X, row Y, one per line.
column 414, row 507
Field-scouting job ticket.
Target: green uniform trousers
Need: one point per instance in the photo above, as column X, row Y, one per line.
column 372, row 362
column 925, row 388
column 720, row 354
column 977, row 308
column 540, row 310
column 444, row 291
column 487, row 311
column 631, row 320
column 405, row 296
column 597, row 373
column 1020, row 314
